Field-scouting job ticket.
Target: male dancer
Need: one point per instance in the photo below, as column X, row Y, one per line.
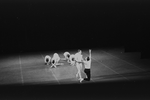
column 87, row 64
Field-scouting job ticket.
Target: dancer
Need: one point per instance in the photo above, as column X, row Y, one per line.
column 87, row 65
column 47, row 60
column 72, row 59
column 55, row 60
column 79, row 60
column 67, row 56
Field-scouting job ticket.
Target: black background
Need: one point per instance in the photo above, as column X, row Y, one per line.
column 31, row 26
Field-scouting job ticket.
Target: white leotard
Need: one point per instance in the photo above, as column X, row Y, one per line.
column 47, row 57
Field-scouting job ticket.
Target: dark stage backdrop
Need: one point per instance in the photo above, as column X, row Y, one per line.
column 71, row 24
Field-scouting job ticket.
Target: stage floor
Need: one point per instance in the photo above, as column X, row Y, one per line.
column 106, row 66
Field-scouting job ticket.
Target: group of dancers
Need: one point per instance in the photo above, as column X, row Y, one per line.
column 76, row 60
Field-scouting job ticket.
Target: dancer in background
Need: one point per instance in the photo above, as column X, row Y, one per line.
column 67, row 56
column 55, row 59
column 47, row 60
column 72, row 60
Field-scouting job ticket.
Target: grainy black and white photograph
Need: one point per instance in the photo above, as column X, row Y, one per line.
column 74, row 49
